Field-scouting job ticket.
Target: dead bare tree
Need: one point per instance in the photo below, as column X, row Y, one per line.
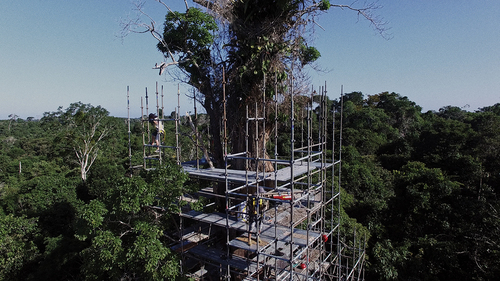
column 86, row 145
column 84, row 127
column 12, row 118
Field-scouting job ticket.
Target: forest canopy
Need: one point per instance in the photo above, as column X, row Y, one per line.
column 422, row 185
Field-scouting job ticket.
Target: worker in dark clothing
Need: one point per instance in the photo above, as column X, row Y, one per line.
column 255, row 213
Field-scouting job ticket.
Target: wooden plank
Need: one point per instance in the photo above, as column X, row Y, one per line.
column 188, row 199
column 218, row 219
column 217, row 256
column 197, row 274
column 299, row 235
column 219, row 174
column 267, row 230
column 195, row 237
column 207, row 192
column 242, row 243
column 184, row 246
column 241, row 176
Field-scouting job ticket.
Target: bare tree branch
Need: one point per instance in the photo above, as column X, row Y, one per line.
column 366, row 12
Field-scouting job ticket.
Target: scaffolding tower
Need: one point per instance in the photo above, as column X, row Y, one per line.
column 152, row 154
column 295, row 208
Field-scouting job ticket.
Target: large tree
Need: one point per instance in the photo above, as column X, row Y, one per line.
column 256, row 43
column 84, row 127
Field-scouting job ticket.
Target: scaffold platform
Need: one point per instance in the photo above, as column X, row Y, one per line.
column 241, row 176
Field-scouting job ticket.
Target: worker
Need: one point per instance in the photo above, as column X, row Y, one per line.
column 255, row 213
column 157, row 131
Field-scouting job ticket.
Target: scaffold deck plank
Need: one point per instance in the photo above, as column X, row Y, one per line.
column 241, row 176
column 266, row 242
column 218, row 219
column 219, row 174
column 285, row 235
column 218, row 256
column 268, row 231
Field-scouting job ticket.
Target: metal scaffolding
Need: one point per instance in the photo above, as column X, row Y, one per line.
column 295, row 207
column 152, row 159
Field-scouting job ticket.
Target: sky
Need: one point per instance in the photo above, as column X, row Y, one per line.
column 57, row 52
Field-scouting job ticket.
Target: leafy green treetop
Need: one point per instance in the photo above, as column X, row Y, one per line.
column 126, row 223
column 84, row 127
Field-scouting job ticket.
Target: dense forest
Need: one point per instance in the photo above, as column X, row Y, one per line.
column 421, row 186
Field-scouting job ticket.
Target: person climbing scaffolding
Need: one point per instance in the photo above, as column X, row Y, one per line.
column 157, row 132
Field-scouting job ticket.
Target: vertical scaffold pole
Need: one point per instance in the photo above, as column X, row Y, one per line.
column 333, row 194
column 162, row 116
column 149, row 132
column 196, row 131
column 323, row 226
column 275, row 169
column 181, row 220
column 157, row 104
column 263, row 126
column 224, row 120
column 159, row 120
column 339, row 249
column 256, row 159
column 292, row 176
column 324, row 186
column 177, row 119
column 143, row 137
column 258, row 223
column 128, row 123
column 162, row 107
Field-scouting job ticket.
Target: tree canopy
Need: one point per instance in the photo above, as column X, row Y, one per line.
column 423, row 187
column 83, row 127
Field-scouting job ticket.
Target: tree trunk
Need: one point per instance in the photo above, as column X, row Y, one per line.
column 257, row 142
column 216, row 139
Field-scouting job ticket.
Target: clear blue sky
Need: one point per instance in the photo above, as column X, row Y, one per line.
column 55, row 52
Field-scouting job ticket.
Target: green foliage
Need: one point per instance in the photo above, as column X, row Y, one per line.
column 424, row 185
column 366, row 128
column 50, row 201
column 388, row 258
column 324, row 5
column 17, row 247
column 422, row 217
column 83, row 127
column 46, row 207
column 125, row 225
column 370, row 186
column 421, row 187
column 189, row 31
column 423, row 196
column 190, row 34
column 494, row 108
column 310, row 54
column 39, row 194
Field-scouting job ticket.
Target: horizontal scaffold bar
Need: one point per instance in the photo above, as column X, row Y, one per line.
column 161, row 146
column 310, row 146
column 308, row 156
